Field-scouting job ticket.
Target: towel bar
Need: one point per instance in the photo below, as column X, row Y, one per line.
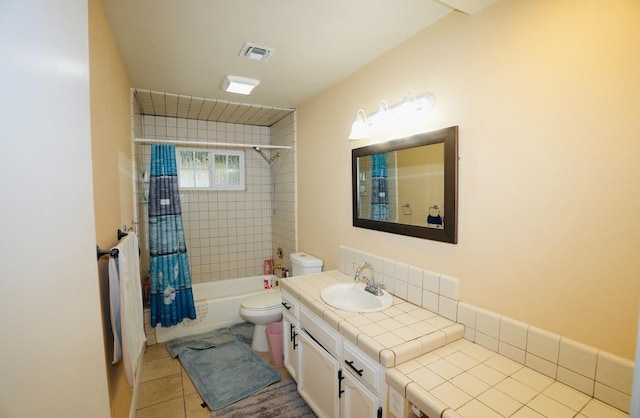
column 113, row 253
column 100, row 252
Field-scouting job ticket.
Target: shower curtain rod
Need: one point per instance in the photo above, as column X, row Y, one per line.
column 209, row 144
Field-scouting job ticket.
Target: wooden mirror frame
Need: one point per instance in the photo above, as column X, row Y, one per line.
column 446, row 136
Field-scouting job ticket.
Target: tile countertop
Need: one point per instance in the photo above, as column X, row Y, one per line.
column 466, row 380
column 392, row 336
column 444, row 375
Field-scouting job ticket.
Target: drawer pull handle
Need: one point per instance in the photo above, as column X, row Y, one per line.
column 350, row 364
column 286, row 305
column 293, row 334
column 340, row 379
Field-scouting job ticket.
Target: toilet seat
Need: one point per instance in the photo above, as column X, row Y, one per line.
column 262, row 309
column 263, row 302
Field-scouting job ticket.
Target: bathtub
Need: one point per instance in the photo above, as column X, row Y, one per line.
column 217, row 305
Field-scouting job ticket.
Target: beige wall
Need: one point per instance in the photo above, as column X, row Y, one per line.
column 546, row 96
column 112, row 172
column 421, row 183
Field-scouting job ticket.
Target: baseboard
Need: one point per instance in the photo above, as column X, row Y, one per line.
column 136, row 384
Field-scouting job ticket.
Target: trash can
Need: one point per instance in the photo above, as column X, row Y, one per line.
column 274, row 341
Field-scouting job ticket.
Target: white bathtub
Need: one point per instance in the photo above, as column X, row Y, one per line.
column 217, row 305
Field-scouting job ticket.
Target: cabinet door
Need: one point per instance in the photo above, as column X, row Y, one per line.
column 290, row 344
column 317, row 377
column 357, row 401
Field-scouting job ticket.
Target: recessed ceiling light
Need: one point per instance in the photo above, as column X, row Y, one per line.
column 240, row 85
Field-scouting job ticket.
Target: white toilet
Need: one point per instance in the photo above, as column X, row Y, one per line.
column 266, row 307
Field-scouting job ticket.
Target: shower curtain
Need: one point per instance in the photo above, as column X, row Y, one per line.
column 379, row 194
column 171, row 294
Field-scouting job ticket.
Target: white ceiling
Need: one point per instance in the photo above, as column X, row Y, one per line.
column 188, row 47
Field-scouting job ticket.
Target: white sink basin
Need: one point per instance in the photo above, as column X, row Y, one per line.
column 353, row 298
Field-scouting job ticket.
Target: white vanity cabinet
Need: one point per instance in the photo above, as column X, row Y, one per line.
column 335, row 378
column 319, row 374
column 364, row 385
column 318, row 378
column 290, row 331
column 357, row 401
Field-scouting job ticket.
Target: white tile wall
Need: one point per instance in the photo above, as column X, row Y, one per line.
column 606, row 377
column 228, row 233
column 513, row 332
column 284, row 218
column 430, row 290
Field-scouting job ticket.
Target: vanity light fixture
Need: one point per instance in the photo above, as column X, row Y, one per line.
column 425, row 103
column 382, row 119
column 360, row 127
column 240, row 85
column 403, row 116
column 407, row 107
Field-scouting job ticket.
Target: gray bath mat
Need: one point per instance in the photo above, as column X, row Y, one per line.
column 280, row 400
column 244, row 331
column 222, row 368
column 200, row 341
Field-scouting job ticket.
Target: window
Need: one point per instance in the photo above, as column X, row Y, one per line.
column 210, row 169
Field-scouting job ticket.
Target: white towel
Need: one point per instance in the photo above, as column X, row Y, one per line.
column 114, row 301
column 129, row 316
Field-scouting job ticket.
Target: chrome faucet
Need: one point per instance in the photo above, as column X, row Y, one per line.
column 372, row 286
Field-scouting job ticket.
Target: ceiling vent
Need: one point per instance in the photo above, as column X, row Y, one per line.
column 256, row 52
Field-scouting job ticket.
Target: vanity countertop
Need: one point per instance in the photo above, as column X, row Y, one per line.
column 392, row 336
column 464, row 379
column 429, row 363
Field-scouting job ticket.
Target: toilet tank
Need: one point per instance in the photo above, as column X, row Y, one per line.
column 303, row 263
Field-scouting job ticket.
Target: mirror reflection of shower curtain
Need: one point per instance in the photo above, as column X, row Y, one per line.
column 379, row 188
column 171, row 293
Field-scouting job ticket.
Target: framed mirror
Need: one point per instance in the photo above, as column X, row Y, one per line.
column 408, row 186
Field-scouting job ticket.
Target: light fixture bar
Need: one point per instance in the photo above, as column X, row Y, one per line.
column 360, row 129
column 403, row 116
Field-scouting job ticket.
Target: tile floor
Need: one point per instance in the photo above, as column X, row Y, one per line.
column 166, row 391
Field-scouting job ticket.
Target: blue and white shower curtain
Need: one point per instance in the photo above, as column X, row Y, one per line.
column 171, row 293
column 379, row 192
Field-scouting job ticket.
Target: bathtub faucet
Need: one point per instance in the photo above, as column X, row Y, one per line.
column 372, row 286
column 284, row 270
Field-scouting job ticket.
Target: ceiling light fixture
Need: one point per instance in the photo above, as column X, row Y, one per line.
column 240, row 85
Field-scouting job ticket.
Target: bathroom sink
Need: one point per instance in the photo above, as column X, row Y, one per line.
column 353, row 298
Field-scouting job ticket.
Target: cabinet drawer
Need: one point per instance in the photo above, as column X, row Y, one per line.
column 325, row 336
column 362, row 366
column 290, row 304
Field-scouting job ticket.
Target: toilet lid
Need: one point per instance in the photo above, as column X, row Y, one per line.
column 265, row 300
